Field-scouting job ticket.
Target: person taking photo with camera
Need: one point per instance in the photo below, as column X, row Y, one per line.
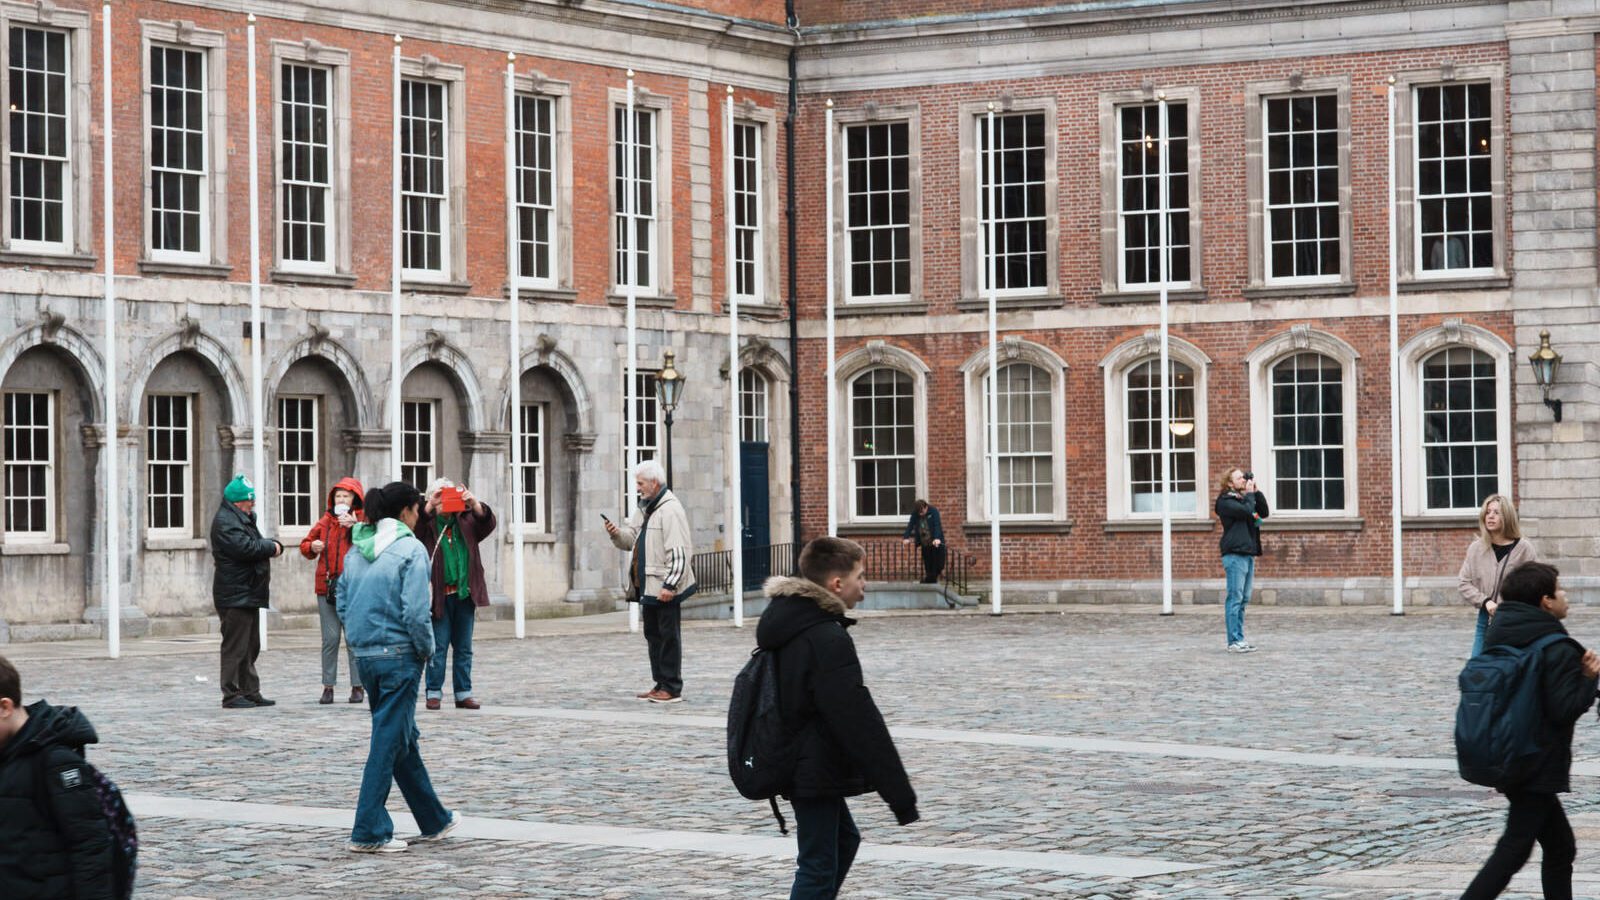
column 454, row 522
column 1241, row 507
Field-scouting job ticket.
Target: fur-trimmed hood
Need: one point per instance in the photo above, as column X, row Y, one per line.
column 793, row 605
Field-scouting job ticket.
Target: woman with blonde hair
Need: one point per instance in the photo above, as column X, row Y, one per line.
column 1499, row 548
column 1240, row 507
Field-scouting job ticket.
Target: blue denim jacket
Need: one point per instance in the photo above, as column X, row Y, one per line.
column 385, row 600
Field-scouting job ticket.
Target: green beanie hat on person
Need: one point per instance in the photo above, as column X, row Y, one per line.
column 239, row 490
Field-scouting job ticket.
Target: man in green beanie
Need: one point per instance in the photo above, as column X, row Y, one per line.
column 239, row 590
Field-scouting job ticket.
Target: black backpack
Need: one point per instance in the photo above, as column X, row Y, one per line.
column 761, row 752
column 1501, row 713
column 120, row 828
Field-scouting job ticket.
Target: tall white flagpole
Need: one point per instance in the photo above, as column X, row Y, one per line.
column 395, row 414
column 831, row 388
column 729, row 264
column 1394, row 373
column 257, row 418
column 513, row 272
column 1166, row 388
column 113, row 443
column 994, row 379
column 630, row 199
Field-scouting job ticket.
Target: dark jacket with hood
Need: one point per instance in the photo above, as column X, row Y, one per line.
column 930, row 522
column 844, row 748
column 1564, row 690
column 54, row 842
column 243, row 560
column 334, row 537
column 474, row 528
column 1241, row 531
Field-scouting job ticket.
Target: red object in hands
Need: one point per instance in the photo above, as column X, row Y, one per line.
column 450, row 500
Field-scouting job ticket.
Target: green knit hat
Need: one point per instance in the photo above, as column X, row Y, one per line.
column 239, row 489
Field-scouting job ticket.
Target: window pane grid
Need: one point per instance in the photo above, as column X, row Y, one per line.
column 40, row 162
column 1026, row 441
column 424, row 183
column 1139, row 193
column 531, row 476
column 1144, row 437
column 307, row 183
column 417, row 459
column 747, row 203
column 642, row 243
column 30, row 465
column 1308, row 433
column 1460, row 428
column 535, row 186
column 177, row 150
column 1302, row 160
column 878, row 210
column 1455, row 197
column 297, row 462
column 1021, row 250
column 168, row 461
column 882, row 443
column 752, row 406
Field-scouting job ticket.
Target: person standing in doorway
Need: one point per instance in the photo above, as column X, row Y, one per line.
column 453, row 524
column 1499, row 548
column 660, row 577
column 1241, row 507
column 926, row 531
column 327, row 542
column 239, row 590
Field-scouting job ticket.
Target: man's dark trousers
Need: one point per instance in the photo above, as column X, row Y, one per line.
column 241, row 644
column 828, row 840
column 932, row 563
column 1533, row 817
column 666, row 648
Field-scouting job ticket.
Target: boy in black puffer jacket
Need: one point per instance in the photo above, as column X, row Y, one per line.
column 844, row 748
column 54, row 843
column 1534, row 605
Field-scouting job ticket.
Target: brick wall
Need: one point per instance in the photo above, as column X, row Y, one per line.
column 827, row 12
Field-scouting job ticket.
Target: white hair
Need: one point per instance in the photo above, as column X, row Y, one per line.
column 650, row 470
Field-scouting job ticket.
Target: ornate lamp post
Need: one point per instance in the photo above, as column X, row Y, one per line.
column 1546, row 362
column 669, row 388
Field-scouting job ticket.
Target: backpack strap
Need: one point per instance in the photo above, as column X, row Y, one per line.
column 783, row 827
column 1548, row 640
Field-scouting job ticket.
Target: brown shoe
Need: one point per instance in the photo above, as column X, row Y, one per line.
column 327, row 696
column 660, row 696
column 433, row 703
column 357, row 695
column 646, row 694
column 468, row 703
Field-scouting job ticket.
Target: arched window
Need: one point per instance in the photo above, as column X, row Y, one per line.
column 1026, row 440
column 1308, row 433
column 1460, row 431
column 882, row 427
column 1143, row 437
column 752, row 406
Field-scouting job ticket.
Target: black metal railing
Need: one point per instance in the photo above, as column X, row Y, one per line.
column 713, row 571
column 899, row 561
column 886, row 561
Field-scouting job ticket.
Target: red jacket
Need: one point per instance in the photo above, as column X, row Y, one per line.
column 335, row 538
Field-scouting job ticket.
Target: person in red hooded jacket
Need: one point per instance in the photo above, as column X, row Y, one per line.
column 327, row 542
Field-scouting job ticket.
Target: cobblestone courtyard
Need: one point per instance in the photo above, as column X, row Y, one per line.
column 1087, row 753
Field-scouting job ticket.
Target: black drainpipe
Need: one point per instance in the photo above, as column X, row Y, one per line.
column 794, row 311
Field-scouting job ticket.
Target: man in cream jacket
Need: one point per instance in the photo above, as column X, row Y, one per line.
column 660, row 576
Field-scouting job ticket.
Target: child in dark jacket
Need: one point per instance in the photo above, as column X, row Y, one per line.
column 1533, row 606
column 844, row 748
column 327, row 542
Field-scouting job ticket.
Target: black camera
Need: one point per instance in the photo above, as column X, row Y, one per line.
column 1249, row 476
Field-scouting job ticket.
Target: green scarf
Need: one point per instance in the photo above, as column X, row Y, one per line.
column 453, row 550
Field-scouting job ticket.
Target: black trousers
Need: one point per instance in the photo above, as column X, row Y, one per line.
column 241, row 644
column 1533, row 817
column 828, row 839
column 661, row 631
column 932, row 563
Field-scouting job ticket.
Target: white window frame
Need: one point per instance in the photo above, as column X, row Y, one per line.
column 1416, row 180
column 1123, row 213
column 78, row 216
column 185, row 468
column 648, row 422
column 974, row 232
column 769, row 247
column 535, row 436
column 873, row 114
column 981, row 200
column 867, row 189
column 522, row 133
column 212, row 46
column 1112, row 285
column 1452, row 333
column 1259, row 365
column 338, row 207
column 430, row 435
column 1340, row 166
column 65, row 160
column 314, row 465
column 655, row 254
column 47, row 534
column 754, row 387
column 749, row 207
column 877, row 354
column 1116, row 366
column 975, row 375
column 559, row 94
column 452, row 269
column 425, row 158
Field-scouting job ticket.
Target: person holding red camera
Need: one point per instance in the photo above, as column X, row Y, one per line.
column 454, row 522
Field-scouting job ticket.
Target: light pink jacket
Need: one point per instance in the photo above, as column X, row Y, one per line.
column 1481, row 573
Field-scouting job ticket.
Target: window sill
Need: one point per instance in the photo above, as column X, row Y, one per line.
column 313, row 279
column 1294, row 292
column 452, row 288
column 893, row 308
column 34, row 549
column 1431, row 523
column 981, row 529
column 1312, row 523
column 872, row 529
column 660, row 301
column 1470, row 283
column 765, row 311
column 1185, row 295
column 48, row 260
column 981, row 304
column 532, row 537
column 174, row 543
column 557, row 295
column 188, row 270
column 1120, row 526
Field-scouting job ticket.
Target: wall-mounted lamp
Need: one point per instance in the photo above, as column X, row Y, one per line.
column 1182, row 428
column 1546, row 363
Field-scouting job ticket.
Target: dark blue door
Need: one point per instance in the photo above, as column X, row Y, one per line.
column 755, row 522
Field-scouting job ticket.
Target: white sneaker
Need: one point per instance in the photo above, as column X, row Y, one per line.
column 440, row 834
column 1241, row 647
column 392, row 845
column 1248, row 647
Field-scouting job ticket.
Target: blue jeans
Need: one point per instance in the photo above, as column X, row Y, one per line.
column 828, row 840
column 453, row 632
column 1241, row 571
column 1483, row 628
column 394, row 756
